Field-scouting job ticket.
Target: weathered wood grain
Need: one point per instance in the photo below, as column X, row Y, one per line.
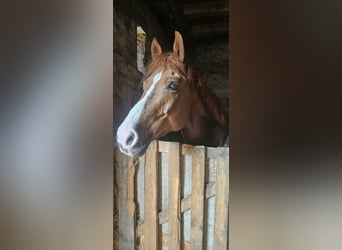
column 197, row 197
column 151, row 196
column 174, row 196
column 125, row 200
column 222, row 197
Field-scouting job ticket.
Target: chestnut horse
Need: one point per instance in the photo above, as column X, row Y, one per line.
column 174, row 99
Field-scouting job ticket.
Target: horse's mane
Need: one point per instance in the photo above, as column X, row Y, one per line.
column 209, row 99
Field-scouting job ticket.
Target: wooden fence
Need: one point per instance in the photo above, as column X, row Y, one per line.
column 173, row 197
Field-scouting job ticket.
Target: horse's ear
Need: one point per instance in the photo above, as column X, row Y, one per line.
column 156, row 50
column 178, row 46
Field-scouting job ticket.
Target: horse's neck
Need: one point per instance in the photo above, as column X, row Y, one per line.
column 203, row 129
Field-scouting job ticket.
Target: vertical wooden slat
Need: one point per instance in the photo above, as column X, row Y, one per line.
column 222, row 197
column 125, row 200
column 207, row 178
column 197, row 197
column 174, row 196
column 151, row 195
column 130, row 188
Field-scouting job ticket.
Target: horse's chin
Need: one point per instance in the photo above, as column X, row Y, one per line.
column 136, row 151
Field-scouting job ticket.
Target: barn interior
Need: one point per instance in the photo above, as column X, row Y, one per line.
column 203, row 25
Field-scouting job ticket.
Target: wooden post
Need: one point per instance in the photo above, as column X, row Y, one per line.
column 125, row 200
column 197, row 197
column 174, row 196
column 222, row 198
column 151, row 198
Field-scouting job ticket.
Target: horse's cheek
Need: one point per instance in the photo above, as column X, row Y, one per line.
column 167, row 107
column 177, row 120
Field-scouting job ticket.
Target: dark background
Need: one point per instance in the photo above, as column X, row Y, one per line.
column 285, row 120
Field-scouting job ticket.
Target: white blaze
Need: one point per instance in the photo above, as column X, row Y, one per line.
column 135, row 113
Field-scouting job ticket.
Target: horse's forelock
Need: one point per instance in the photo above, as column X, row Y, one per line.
column 162, row 62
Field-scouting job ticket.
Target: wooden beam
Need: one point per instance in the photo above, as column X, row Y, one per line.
column 206, row 8
column 174, row 240
column 124, row 181
column 186, row 203
column 151, row 198
column 211, row 28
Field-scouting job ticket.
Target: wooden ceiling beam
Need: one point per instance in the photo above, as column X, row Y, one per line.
column 206, row 8
column 209, row 28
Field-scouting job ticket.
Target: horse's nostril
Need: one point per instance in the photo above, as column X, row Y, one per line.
column 130, row 139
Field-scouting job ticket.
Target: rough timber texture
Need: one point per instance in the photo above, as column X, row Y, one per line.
column 187, row 199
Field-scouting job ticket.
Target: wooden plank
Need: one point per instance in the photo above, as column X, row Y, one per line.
column 140, row 230
column 186, row 203
column 207, row 171
column 163, row 146
column 163, row 217
column 187, row 149
column 211, row 172
column 197, row 197
column 139, row 189
column 123, row 181
column 222, row 197
column 212, row 152
column 115, row 205
column 210, row 190
column 130, row 188
column 174, row 196
column 151, row 196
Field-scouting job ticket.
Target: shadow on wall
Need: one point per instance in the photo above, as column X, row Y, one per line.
column 210, row 58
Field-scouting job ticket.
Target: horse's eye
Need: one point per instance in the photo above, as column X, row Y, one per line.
column 173, row 86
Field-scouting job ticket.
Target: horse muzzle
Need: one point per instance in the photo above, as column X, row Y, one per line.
column 131, row 142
